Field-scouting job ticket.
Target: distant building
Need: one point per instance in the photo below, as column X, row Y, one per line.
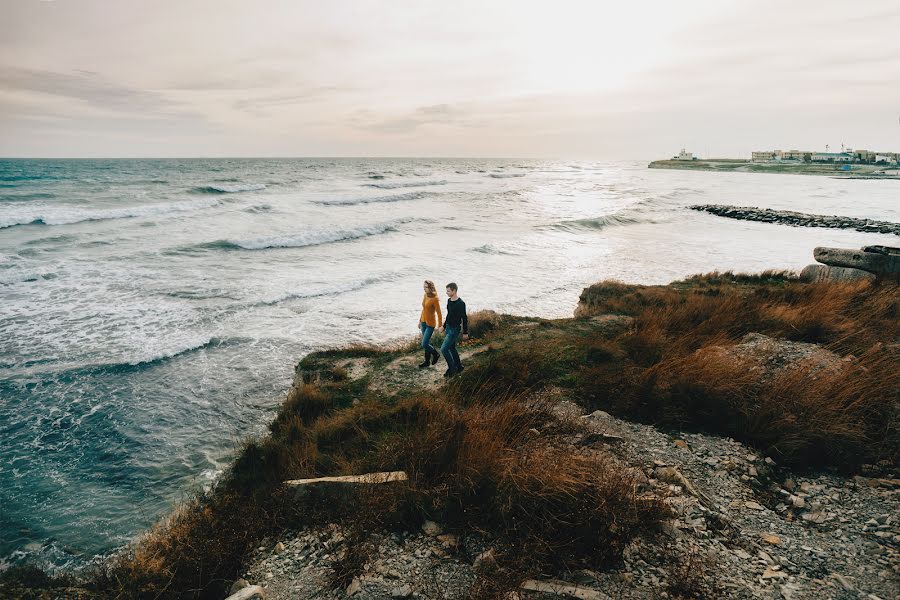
column 684, row 155
column 766, row 155
column 887, row 158
column 865, row 156
column 832, row 157
column 801, row 155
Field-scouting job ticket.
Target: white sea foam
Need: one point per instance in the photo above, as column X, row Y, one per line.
column 392, row 185
column 374, row 199
column 310, row 237
column 12, row 215
column 223, row 188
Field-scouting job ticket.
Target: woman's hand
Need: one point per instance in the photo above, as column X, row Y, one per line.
column 442, row 329
column 465, row 336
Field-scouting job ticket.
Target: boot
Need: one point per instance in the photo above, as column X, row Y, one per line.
column 435, row 356
column 427, row 362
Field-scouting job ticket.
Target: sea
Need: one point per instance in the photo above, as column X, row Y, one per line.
column 152, row 311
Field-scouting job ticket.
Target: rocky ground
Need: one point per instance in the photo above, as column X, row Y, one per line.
column 742, row 526
column 798, row 219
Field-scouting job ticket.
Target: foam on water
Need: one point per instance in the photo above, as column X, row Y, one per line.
column 30, row 214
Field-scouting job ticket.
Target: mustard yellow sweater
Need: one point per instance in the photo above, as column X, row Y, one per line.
column 431, row 305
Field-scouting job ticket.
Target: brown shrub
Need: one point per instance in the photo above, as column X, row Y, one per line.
column 805, row 416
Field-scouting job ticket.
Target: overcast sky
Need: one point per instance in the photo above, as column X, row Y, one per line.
column 593, row 79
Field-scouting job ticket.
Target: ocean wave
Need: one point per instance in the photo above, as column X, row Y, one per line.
column 229, row 189
column 392, row 185
column 311, row 237
column 492, row 249
column 71, row 372
column 27, row 197
column 343, row 288
column 505, row 175
column 391, row 198
column 66, row 215
column 613, row 220
column 258, row 208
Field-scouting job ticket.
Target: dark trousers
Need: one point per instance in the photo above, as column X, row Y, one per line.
column 448, row 348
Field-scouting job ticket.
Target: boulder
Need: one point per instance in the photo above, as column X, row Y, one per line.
column 769, row 357
column 820, row 273
column 251, row 591
column 883, row 261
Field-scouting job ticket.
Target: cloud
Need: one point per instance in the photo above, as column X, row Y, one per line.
column 87, row 86
column 258, row 105
column 433, row 114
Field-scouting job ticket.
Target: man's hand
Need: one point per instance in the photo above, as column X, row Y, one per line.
column 442, row 329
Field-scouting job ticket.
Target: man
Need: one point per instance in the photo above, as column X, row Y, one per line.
column 455, row 323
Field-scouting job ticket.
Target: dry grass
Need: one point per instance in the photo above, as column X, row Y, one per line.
column 805, row 415
column 475, row 462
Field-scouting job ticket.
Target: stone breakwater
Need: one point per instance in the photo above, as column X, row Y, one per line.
column 798, row 219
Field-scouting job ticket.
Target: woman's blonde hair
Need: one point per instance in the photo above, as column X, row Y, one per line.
column 432, row 289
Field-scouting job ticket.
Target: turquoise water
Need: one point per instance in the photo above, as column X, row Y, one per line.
column 151, row 311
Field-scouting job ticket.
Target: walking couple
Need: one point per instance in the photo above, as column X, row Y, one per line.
column 456, row 324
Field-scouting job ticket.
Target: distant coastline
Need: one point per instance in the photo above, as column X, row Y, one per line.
column 858, row 171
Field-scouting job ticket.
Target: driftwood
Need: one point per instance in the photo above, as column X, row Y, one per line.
column 561, row 588
column 368, row 478
column 251, row 591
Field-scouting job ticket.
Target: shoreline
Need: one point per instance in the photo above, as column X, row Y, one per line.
column 798, row 219
column 363, row 409
column 741, row 166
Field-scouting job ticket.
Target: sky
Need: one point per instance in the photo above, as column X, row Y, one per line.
column 595, row 79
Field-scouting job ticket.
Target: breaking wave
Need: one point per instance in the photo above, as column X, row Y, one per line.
column 66, row 215
column 390, row 198
column 392, row 185
column 229, row 189
column 505, row 175
column 302, row 239
column 613, row 220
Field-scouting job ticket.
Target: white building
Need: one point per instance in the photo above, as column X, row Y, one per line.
column 833, row 157
column 684, row 155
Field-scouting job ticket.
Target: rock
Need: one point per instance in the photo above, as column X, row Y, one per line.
column 754, row 505
column 797, row 501
column 354, row 587
column 238, row 586
column 248, row 592
column 771, row 538
column 596, row 438
column 814, row 517
column 561, row 588
column 770, row 357
column 279, row 548
column 484, row 558
column 448, row 540
column 597, row 414
column 743, row 554
column 404, row 591
column 845, row 583
column 772, row 573
column 884, row 264
column 681, row 444
column 822, row 273
column 431, row 528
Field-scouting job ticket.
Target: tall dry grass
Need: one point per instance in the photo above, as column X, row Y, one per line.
column 804, row 415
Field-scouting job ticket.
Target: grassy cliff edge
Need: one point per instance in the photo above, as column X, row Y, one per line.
column 805, row 373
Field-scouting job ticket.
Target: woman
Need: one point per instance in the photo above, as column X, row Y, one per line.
column 427, row 322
